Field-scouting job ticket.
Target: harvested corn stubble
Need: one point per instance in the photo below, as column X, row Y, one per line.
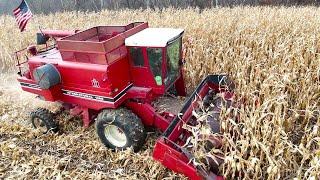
column 271, row 53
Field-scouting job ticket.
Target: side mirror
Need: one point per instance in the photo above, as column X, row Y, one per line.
column 42, row 39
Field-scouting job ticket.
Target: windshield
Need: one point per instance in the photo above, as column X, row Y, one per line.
column 173, row 56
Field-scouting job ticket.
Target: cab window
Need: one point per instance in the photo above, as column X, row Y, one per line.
column 173, row 56
column 137, row 56
column 155, row 61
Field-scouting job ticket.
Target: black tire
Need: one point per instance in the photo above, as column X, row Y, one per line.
column 46, row 120
column 128, row 124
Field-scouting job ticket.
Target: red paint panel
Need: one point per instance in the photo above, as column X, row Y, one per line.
column 51, row 94
column 148, row 115
column 57, row 33
column 98, row 40
column 173, row 160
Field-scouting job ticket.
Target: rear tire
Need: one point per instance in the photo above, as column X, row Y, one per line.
column 120, row 129
column 43, row 120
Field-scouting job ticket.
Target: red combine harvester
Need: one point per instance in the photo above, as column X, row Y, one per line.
column 113, row 74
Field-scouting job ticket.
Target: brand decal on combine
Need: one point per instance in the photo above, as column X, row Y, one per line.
column 34, row 86
column 86, row 96
column 95, row 83
column 95, row 97
column 83, row 95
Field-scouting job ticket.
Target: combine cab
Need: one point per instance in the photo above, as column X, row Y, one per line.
column 113, row 74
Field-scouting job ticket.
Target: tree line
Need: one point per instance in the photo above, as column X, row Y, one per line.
column 51, row 6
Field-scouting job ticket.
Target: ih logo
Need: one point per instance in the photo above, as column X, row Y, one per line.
column 95, row 83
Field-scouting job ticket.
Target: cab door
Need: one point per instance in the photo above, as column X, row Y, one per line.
column 172, row 65
column 155, row 57
column 146, row 67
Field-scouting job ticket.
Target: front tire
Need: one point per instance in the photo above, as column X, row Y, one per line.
column 120, row 129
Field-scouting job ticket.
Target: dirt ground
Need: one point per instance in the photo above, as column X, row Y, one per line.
column 74, row 152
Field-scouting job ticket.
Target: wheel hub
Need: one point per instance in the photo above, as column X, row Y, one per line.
column 39, row 124
column 115, row 135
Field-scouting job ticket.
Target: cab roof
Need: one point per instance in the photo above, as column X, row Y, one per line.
column 153, row 37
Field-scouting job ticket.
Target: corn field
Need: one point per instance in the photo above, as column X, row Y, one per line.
column 271, row 54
